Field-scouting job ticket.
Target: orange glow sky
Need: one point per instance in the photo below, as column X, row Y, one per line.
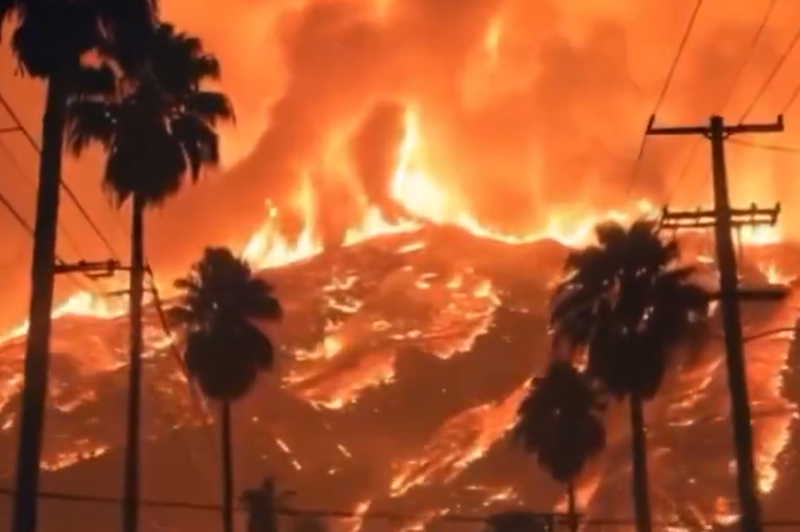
column 529, row 107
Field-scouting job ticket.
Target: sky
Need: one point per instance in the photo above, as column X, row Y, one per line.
column 528, row 107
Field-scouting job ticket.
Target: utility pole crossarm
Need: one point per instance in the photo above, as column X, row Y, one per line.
column 93, row 269
column 679, row 130
column 773, row 127
column 707, row 218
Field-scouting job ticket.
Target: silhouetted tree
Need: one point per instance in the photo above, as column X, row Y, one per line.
column 158, row 128
column 519, row 521
column 263, row 505
column 225, row 350
column 629, row 306
column 310, row 523
column 49, row 41
column 560, row 422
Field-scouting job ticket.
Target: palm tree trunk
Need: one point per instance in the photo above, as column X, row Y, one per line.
column 572, row 507
column 37, row 352
column 227, row 468
column 641, row 487
column 130, row 489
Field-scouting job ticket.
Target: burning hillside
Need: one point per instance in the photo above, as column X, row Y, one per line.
column 405, row 357
column 409, row 176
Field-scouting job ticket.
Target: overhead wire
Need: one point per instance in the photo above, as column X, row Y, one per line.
column 663, row 94
column 792, row 99
column 771, row 77
column 768, row 147
column 762, row 91
column 67, row 189
column 27, row 226
column 195, row 398
column 71, row 241
column 354, row 514
column 731, row 91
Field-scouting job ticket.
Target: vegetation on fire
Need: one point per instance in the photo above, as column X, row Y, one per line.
column 624, row 314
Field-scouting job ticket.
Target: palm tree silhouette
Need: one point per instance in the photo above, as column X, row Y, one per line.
column 158, row 128
column 225, row 351
column 629, row 306
column 519, row 521
column 560, row 421
column 49, row 41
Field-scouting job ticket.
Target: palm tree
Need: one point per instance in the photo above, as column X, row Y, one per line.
column 629, row 306
column 310, row 523
column 519, row 521
column 225, row 351
column 157, row 129
column 560, row 422
column 49, row 41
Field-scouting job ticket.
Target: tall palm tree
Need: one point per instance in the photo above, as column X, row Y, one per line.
column 158, row 129
column 225, row 350
column 49, row 40
column 560, row 422
column 629, row 306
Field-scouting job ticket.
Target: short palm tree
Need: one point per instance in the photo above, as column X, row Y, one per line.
column 158, row 128
column 560, row 422
column 629, row 306
column 225, row 350
column 519, row 521
column 49, row 41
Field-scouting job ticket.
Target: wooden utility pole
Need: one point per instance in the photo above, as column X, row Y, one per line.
column 723, row 222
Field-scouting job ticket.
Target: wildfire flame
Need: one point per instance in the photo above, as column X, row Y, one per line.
column 466, row 437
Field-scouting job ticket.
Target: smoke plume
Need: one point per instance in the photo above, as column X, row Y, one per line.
column 527, row 107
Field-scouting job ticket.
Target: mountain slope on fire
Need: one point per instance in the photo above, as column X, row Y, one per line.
column 405, row 357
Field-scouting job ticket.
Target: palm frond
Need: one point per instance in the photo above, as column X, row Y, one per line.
column 179, row 62
column 226, row 358
column 146, row 159
column 90, row 121
column 199, row 142
column 212, row 107
column 560, row 421
column 260, row 302
column 127, row 25
column 9, row 9
column 610, row 234
column 94, row 82
column 630, row 303
column 50, row 34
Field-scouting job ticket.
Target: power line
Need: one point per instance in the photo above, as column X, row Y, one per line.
column 731, row 91
column 65, row 186
column 772, row 74
column 32, row 182
column 768, row 147
column 349, row 514
column 197, row 400
column 664, row 90
column 792, row 99
column 162, row 317
column 27, row 226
